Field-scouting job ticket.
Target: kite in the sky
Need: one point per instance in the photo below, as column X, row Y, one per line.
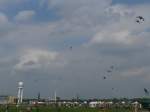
column 146, row 91
column 104, row 77
column 70, row 47
column 109, row 71
column 140, row 19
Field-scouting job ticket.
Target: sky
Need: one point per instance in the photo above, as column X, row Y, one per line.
column 68, row 46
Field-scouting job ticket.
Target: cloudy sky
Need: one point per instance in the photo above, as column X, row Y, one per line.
column 68, row 46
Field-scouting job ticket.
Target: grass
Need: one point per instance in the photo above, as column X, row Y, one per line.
column 61, row 109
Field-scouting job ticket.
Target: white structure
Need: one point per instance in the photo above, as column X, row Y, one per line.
column 100, row 104
column 93, row 104
column 20, row 92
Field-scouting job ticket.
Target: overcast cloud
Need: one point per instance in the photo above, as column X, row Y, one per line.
column 68, row 46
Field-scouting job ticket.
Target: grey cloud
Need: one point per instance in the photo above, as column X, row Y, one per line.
column 101, row 34
column 6, row 4
column 25, row 16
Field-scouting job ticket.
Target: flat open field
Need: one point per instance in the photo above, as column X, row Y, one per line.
column 60, row 109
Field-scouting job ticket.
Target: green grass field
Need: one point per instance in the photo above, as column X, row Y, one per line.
column 60, row 109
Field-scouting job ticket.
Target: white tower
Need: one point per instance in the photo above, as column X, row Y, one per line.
column 20, row 92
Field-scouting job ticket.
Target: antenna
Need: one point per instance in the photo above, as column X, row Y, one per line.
column 39, row 96
column 55, row 96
